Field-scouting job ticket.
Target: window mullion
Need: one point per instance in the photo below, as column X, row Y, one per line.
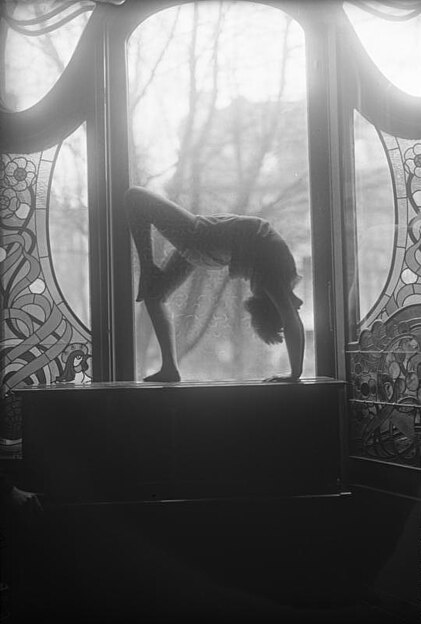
column 118, row 181
column 112, row 327
column 323, row 136
column 98, row 197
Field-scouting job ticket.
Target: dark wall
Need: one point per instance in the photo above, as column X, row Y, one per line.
column 268, row 532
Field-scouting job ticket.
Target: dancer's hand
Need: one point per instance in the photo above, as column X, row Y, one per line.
column 282, row 379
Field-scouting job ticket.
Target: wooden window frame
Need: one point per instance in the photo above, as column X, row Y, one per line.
column 112, row 313
column 95, row 91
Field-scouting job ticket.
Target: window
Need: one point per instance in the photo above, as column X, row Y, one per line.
column 39, row 41
column 218, row 123
column 44, row 225
column 225, row 107
column 375, row 216
column 68, row 224
column 391, row 36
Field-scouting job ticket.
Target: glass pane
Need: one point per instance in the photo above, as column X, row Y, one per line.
column 42, row 341
column 395, row 46
column 69, row 224
column 38, row 47
column 375, row 214
column 384, row 354
column 217, row 98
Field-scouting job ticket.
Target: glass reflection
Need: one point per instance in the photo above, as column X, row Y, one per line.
column 69, row 224
column 375, row 213
column 394, row 46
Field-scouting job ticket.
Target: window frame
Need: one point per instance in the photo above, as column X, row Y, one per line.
column 324, row 167
column 93, row 88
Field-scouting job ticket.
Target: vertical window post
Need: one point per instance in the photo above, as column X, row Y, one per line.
column 112, row 315
column 325, row 190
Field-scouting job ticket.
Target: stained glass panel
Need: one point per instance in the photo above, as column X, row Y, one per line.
column 218, row 117
column 385, row 361
column 68, row 224
column 374, row 213
column 42, row 340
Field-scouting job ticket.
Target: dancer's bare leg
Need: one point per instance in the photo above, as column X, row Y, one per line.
column 173, row 274
column 145, row 209
column 164, row 330
column 176, row 224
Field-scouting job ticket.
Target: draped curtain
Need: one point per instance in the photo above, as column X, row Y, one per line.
column 393, row 10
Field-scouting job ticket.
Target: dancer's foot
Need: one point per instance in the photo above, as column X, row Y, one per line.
column 282, row 379
column 169, row 376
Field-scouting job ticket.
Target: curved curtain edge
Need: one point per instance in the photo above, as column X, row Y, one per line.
column 64, row 107
column 389, row 108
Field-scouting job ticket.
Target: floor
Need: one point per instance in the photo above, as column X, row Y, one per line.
column 89, row 568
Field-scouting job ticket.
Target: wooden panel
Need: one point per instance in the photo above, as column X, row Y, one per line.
column 141, row 441
column 384, row 477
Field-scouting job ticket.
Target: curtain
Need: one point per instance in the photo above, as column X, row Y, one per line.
column 393, row 10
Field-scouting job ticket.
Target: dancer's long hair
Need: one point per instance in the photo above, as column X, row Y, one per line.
column 265, row 319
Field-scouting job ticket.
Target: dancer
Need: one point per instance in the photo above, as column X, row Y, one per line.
column 249, row 246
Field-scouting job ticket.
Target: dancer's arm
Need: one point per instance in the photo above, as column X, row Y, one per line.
column 293, row 332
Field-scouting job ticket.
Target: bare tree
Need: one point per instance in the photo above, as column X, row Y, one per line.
column 215, row 160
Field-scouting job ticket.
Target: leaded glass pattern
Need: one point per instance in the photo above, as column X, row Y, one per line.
column 43, row 342
column 385, row 360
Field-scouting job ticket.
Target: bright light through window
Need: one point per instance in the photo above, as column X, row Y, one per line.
column 218, row 118
column 394, row 46
column 69, row 224
column 33, row 63
column 375, row 214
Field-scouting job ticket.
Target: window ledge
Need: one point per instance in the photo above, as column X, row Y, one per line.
column 141, row 385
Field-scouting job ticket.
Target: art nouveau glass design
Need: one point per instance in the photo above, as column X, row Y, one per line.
column 375, row 215
column 385, row 361
column 68, row 224
column 42, row 340
column 45, row 337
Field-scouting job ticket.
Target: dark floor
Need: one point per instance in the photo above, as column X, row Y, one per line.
column 111, row 566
